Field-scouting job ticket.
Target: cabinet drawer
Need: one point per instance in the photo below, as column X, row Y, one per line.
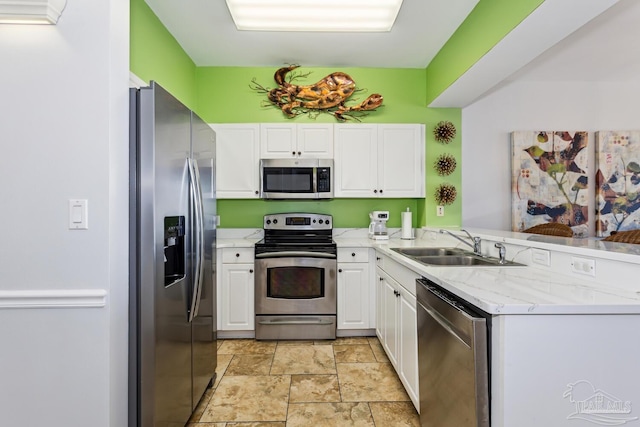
column 380, row 260
column 237, row 255
column 353, row 254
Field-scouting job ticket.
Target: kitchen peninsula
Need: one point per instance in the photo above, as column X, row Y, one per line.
column 565, row 327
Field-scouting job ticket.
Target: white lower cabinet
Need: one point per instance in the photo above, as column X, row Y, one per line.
column 408, row 345
column 236, row 290
column 397, row 327
column 354, row 289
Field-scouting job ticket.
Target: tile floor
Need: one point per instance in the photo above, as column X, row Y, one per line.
column 346, row 382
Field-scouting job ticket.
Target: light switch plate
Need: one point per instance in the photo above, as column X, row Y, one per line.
column 78, row 210
column 440, row 211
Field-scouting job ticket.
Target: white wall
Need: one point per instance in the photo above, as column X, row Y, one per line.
column 530, row 105
column 64, row 134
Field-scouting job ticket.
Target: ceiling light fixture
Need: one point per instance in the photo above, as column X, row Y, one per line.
column 31, row 11
column 314, row 15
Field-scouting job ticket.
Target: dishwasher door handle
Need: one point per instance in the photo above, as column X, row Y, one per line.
column 445, row 324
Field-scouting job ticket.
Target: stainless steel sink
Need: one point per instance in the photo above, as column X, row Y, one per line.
column 429, row 252
column 454, row 260
column 451, row 257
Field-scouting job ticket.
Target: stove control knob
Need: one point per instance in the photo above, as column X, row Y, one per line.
column 327, row 222
column 275, row 221
column 320, row 221
column 268, row 221
column 314, row 221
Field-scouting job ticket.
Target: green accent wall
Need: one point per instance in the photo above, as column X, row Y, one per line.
column 156, row 55
column 225, row 96
column 488, row 23
column 347, row 213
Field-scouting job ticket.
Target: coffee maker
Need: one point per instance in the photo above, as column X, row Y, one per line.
column 378, row 225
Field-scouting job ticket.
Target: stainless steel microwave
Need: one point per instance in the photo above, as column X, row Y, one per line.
column 296, row 178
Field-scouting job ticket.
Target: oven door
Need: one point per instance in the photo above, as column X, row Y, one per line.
column 297, row 285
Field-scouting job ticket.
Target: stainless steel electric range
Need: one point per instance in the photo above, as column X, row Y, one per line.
column 295, row 288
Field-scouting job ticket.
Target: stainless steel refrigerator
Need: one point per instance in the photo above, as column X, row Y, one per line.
column 172, row 246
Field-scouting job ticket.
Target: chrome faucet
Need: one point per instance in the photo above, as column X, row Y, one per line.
column 502, row 253
column 476, row 240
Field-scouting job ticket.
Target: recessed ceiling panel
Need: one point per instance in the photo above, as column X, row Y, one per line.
column 206, row 32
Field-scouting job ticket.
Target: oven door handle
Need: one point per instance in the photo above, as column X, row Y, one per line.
column 288, row 254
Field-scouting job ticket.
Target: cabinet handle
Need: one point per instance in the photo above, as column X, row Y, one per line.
column 251, row 271
column 353, row 254
column 380, row 191
column 237, row 255
column 378, row 258
column 339, row 270
column 256, row 191
column 381, row 279
column 299, row 153
column 375, row 191
column 293, row 153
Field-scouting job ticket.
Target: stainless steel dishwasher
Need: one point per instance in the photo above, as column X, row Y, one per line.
column 452, row 360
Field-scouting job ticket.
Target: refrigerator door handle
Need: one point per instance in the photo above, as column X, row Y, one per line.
column 198, row 210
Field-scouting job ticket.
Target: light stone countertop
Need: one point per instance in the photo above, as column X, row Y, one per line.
column 528, row 289
column 238, row 237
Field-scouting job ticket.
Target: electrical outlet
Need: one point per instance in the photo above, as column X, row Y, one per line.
column 583, row 266
column 440, row 211
column 541, row 257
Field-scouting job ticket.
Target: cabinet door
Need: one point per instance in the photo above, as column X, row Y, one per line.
column 315, row 141
column 278, row 141
column 408, row 345
column 390, row 321
column 401, row 160
column 355, row 160
column 237, row 298
column 379, row 307
column 353, row 296
column 238, row 161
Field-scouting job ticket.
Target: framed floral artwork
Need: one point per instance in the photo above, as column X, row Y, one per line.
column 549, row 179
column 617, row 181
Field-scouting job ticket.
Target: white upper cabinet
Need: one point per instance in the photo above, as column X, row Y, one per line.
column 278, row 141
column 284, row 140
column 370, row 160
column 401, row 160
column 238, row 160
column 315, row 140
column 386, row 160
column 356, row 160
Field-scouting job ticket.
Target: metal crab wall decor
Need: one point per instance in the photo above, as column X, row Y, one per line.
column 328, row 95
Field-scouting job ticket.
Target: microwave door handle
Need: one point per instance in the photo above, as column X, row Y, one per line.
column 315, row 180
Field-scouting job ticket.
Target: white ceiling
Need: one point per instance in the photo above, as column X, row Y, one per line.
column 605, row 49
column 206, row 32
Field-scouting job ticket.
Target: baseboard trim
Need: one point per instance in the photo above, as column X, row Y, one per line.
column 345, row 333
column 236, row 334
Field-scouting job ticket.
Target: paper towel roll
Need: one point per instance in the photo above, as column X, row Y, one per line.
column 407, row 229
